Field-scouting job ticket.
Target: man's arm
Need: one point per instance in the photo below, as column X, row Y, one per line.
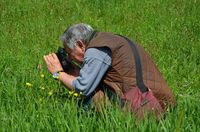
column 67, row 79
column 96, row 63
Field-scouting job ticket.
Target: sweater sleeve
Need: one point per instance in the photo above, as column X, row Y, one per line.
column 96, row 63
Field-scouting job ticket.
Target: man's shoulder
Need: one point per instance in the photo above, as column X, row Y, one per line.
column 102, row 53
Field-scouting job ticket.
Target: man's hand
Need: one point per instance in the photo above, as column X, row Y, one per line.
column 52, row 62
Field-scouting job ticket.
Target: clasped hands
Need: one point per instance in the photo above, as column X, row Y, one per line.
column 53, row 63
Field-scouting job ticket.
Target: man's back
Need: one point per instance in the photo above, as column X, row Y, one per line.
column 121, row 77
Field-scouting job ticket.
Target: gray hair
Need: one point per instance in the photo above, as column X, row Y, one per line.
column 76, row 32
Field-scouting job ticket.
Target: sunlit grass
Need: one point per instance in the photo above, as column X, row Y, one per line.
column 30, row 100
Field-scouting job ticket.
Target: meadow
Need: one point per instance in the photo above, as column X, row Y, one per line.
column 30, row 100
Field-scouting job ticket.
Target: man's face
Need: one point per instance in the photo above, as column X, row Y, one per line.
column 76, row 54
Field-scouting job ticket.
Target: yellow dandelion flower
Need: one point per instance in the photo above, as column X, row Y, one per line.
column 42, row 75
column 29, row 84
column 75, row 94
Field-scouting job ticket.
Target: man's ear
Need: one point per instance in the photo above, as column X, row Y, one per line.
column 81, row 44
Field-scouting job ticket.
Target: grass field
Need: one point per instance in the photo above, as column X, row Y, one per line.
column 168, row 29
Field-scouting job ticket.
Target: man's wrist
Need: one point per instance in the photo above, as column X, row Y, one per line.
column 55, row 75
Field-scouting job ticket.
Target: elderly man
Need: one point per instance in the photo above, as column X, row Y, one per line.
column 109, row 66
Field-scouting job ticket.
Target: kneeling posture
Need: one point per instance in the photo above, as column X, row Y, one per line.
column 111, row 66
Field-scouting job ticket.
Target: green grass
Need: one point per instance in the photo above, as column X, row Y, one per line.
column 169, row 30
